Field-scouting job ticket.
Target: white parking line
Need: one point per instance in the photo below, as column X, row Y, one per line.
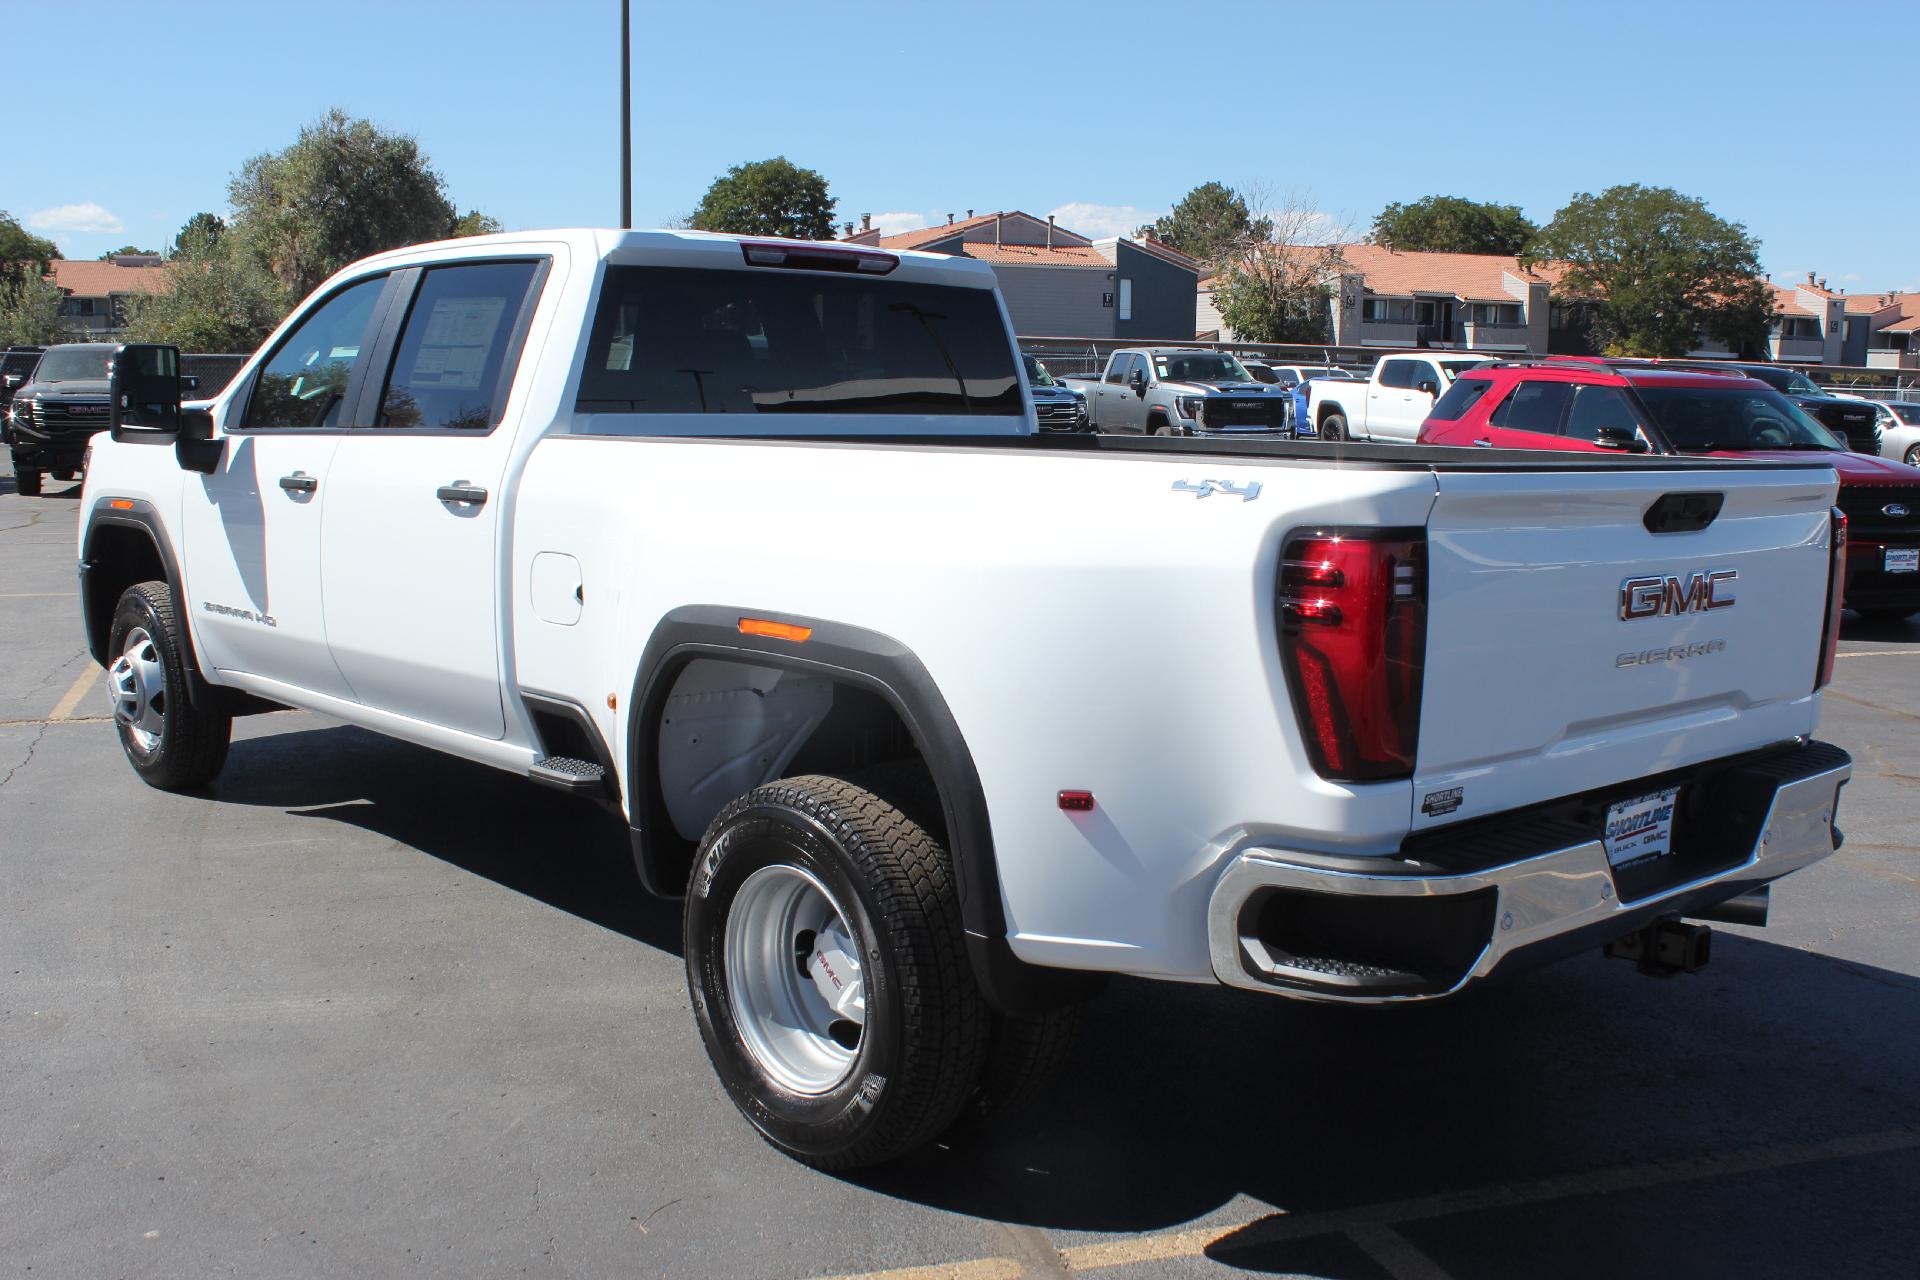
column 63, row 709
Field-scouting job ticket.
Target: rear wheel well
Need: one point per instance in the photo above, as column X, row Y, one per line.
column 118, row 556
column 724, row 726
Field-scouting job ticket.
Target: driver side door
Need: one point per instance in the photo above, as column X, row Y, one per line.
column 251, row 529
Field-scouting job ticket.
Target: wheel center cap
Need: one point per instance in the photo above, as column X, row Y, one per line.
column 836, row 973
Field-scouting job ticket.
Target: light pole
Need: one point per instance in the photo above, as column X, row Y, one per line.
column 626, row 114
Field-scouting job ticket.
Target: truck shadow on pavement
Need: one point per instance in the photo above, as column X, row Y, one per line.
column 562, row 850
column 1758, row 1118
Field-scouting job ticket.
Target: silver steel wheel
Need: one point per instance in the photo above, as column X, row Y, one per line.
column 1913, row 456
column 137, row 683
column 793, row 978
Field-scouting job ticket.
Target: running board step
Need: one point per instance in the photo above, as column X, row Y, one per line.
column 568, row 774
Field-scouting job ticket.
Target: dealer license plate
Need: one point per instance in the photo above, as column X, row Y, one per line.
column 1903, row 559
column 1640, row 828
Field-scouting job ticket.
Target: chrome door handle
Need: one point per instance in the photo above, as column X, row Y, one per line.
column 1484, row 444
column 299, row 482
column 462, row 492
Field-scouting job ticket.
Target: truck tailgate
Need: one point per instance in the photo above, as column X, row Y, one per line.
column 1537, row 687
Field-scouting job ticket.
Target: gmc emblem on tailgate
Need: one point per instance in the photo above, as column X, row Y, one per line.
column 1668, row 596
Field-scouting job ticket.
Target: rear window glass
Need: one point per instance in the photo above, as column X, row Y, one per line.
column 679, row 340
column 454, row 347
column 1460, row 397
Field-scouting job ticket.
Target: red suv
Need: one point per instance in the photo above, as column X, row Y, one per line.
column 1653, row 409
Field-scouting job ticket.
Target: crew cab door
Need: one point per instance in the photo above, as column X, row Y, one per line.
column 410, row 567
column 251, row 530
column 1123, row 408
column 1395, row 405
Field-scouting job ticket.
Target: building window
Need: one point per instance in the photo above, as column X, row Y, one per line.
column 1126, row 299
column 1853, row 328
column 78, row 307
column 1800, row 327
column 1423, row 311
column 1506, row 313
column 1377, row 310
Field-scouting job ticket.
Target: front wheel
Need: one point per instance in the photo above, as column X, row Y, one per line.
column 170, row 743
column 828, row 972
column 26, row 482
column 1913, row 455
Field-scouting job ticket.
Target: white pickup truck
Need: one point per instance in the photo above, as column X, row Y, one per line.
column 1392, row 403
column 936, row 720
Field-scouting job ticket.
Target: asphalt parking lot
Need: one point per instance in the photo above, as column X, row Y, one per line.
column 364, row 1009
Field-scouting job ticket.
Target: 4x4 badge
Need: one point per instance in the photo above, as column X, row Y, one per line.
column 1207, row 488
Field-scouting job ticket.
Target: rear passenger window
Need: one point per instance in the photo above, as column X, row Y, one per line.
column 1397, row 373
column 1459, row 398
column 1595, row 407
column 1533, row 406
column 451, row 370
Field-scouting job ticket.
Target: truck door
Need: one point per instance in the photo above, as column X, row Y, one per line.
column 251, row 530
column 1129, row 405
column 410, row 561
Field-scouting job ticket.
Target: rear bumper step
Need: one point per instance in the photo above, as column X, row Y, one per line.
column 1392, row 929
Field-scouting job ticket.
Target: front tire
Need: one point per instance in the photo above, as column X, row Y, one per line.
column 170, row 743
column 828, row 972
column 1913, row 455
column 1895, row 614
column 26, row 482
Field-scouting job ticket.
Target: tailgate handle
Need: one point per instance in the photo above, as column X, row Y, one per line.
column 1682, row 512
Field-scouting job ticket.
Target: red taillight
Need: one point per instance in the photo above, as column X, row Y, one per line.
column 1353, row 638
column 1836, row 596
column 814, row 257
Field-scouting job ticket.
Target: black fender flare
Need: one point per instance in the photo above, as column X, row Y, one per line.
column 882, row 665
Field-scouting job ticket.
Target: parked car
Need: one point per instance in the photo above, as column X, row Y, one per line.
column 16, row 367
column 1298, row 412
column 1178, row 391
column 1848, row 416
column 1666, row 410
column 1055, row 407
column 1899, row 424
column 1391, row 403
column 56, row 412
column 754, row 542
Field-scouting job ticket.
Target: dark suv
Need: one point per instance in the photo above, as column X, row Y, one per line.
column 16, row 368
column 53, row 415
column 1851, row 420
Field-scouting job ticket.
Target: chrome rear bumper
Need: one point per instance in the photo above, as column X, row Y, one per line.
column 1391, row 929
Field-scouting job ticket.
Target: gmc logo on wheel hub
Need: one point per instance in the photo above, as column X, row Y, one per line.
column 1668, row 596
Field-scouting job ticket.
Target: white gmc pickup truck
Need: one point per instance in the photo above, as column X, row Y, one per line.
column 933, row 719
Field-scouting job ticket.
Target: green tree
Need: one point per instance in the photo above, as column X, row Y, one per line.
column 473, row 223
column 201, row 231
column 1450, row 224
column 768, row 198
column 217, row 298
column 1212, row 224
column 125, row 248
column 23, row 255
column 30, row 311
column 1279, row 293
column 343, row 190
column 1659, row 270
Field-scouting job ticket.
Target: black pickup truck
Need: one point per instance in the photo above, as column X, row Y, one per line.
column 56, row 411
column 1850, row 419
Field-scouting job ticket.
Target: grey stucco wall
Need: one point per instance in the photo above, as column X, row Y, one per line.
column 1050, row 301
column 1163, row 295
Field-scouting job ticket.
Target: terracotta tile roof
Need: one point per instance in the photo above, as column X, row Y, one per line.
column 929, row 235
column 1475, row 277
column 101, row 279
column 1866, row 304
column 1061, row 255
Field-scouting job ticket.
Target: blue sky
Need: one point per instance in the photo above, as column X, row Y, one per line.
column 1781, row 116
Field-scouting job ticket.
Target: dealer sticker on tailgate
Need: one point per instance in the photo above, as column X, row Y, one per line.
column 1903, row 560
column 1640, row 828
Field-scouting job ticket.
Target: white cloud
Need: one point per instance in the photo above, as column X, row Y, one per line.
column 86, row 217
column 1102, row 220
column 1851, row 275
column 892, row 224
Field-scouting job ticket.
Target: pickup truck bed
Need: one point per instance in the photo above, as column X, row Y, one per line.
column 935, row 720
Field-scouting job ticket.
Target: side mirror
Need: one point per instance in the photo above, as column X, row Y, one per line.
column 1427, row 386
column 1623, row 438
column 1137, row 380
column 143, row 394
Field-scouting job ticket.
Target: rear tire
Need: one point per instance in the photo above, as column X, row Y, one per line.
column 1024, row 1057
column 64, row 475
column 1334, row 427
column 26, row 483
column 1913, row 456
column 170, row 743
column 851, row 878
